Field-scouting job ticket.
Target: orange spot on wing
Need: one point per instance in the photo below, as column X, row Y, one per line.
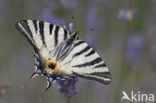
column 55, row 67
column 50, row 62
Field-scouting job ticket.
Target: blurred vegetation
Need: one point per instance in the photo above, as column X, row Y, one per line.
column 124, row 34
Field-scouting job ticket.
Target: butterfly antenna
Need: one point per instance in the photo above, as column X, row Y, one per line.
column 75, row 23
column 90, row 29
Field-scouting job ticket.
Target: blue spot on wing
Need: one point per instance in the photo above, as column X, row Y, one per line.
column 50, row 80
column 38, row 71
column 37, row 63
column 37, row 56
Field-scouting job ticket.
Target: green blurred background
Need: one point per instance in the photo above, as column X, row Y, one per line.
column 124, row 34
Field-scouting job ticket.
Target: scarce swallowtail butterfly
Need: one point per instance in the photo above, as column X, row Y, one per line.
column 60, row 54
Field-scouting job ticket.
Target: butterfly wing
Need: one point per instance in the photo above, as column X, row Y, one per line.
column 41, row 33
column 44, row 37
column 82, row 60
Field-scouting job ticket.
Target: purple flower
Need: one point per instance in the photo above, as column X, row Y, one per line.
column 69, row 4
column 135, row 47
column 91, row 18
column 64, row 26
column 47, row 16
column 127, row 15
column 70, row 27
column 2, row 5
column 67, row 87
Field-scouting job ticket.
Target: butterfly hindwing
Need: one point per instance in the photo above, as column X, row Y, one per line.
column 41, row 33
column 86, row 63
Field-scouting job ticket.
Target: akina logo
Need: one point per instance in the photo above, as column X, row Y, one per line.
column 137, row 97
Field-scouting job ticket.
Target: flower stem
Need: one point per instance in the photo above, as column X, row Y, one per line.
column 68, row 99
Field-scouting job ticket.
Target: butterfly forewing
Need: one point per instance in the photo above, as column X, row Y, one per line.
column 41, row 33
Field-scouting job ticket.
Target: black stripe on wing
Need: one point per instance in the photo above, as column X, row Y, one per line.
column 102, row 74
column 25, row 25
column 41, row 28
column 24, row 28
column 35, row 25
column 65, row 47
column 51, row 28
column 56, row 35
column 82, row 51
column 90, row 63
column 90, row 53
column 100, row 65
column 65, row 34
column 76, row 44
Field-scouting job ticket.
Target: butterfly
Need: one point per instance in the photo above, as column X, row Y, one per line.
column 60, row 54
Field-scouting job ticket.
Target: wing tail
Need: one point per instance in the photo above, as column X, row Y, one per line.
column 102, row 77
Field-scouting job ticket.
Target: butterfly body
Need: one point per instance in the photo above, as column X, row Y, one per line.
column 62, row 55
